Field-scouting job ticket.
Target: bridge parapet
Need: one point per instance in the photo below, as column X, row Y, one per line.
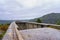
column 30, row 25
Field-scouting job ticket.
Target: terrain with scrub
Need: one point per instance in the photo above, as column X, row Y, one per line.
column 3, row 29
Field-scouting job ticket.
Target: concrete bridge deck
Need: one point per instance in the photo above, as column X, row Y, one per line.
column 38, row 33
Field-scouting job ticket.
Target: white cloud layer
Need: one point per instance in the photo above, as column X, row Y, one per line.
column 27, row 9
column 28, row 3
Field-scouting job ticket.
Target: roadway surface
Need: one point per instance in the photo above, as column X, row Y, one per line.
column 40, row 34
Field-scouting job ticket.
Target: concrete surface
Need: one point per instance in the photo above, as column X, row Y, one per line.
column 41, row 34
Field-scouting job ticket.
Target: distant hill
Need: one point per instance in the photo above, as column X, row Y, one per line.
column 49, row 18
column 9, row 21
column 5, row 21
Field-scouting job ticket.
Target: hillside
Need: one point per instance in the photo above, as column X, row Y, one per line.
column 49, row 18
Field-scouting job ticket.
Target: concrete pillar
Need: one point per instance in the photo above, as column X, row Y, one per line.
column 35, row 25
column 38, row 26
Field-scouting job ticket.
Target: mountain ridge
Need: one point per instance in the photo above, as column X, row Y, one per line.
column 51, row 18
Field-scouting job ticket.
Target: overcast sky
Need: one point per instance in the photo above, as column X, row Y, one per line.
column 27, row 9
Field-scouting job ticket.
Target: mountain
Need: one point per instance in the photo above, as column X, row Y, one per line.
column 51, row 18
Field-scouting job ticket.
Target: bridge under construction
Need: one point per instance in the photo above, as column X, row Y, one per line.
column 31, row 31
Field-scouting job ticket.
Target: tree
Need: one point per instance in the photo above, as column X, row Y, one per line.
column 58, row 22
column 38, row 20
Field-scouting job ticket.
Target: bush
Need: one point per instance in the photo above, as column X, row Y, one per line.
column 4, row 27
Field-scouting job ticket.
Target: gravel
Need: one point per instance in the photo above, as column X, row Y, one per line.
column 41, row 34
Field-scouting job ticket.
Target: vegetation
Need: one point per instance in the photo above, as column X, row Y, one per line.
column 3, row 28
column 54, row 27
column 1, row 35
column 49, row 18
column 39, row 20
column 58, row 22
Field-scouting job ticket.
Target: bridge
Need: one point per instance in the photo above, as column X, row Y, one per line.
column 31, row 31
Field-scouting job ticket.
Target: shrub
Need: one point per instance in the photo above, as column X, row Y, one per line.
column 4, row 27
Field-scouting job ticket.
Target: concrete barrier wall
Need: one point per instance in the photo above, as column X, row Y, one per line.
column 22, row 26
column 30, row 25
column 18, row 33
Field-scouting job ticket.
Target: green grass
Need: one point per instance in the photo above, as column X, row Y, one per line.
column 1, row 35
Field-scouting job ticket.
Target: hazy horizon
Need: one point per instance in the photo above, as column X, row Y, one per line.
column 27, row 9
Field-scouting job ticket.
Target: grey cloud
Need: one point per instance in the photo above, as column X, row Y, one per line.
column 10, row 9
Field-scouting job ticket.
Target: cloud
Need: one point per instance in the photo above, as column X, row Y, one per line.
column 27, row 9
column 34, row 3
column 28, row 3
